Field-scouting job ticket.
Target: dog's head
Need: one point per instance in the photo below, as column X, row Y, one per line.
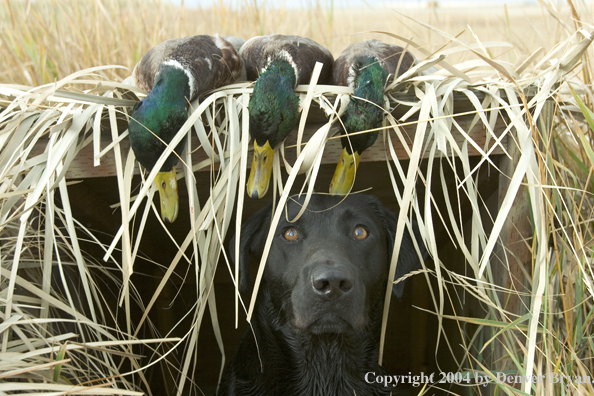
column 327, row 270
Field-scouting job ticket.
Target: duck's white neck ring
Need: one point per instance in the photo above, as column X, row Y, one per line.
column 191, row 79
column 352, row 76
column 283, row 54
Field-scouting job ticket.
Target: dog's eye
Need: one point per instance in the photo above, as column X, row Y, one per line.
column 360, row 232
column 290, row 234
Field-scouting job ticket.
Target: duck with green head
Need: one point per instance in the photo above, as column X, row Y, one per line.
column 367, row 67
column 278, row 63
column 174, row 73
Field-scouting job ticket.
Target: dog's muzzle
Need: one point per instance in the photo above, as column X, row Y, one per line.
column 329, row 296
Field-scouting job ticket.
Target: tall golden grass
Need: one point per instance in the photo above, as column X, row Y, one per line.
column 47, row 42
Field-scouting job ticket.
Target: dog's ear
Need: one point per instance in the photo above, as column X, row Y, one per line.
column 408, row 259
column 252, row 239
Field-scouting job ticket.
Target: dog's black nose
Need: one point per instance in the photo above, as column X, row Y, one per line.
column 331, row 282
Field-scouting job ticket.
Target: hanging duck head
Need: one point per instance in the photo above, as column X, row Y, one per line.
column 274, row 112
column 153, row 124
column 367, row 67
column 174, row 73
column 278, row 63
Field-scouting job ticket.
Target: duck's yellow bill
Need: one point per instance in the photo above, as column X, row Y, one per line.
column 344, row 175
column 261, row 170
column 167, row 186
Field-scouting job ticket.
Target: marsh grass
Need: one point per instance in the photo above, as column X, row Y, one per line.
column 48, row 283
column 41, row 42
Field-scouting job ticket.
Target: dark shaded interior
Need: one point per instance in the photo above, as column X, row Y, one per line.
column 412, row 331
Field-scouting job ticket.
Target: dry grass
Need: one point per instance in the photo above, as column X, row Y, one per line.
column 52, row 40
column 41, row 42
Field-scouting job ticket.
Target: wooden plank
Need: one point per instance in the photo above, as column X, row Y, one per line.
column 82, row 165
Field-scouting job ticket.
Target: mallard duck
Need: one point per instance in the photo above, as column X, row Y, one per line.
column 367, row 67
column 175, row 72
column 278, row 63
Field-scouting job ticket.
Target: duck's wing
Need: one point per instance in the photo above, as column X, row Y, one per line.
column 301, row 52
column 394, row 59
column 211, row 61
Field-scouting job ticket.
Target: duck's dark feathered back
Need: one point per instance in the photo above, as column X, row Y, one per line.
column 302, row 52
column 211, row 60
column 394, row 59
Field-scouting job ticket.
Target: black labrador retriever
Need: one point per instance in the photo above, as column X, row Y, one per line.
column 317, row 320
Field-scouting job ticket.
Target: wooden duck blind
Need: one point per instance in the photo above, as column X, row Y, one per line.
column 49, row 134
column 469, row 129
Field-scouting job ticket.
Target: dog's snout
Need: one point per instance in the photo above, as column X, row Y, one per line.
column 331, row 283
